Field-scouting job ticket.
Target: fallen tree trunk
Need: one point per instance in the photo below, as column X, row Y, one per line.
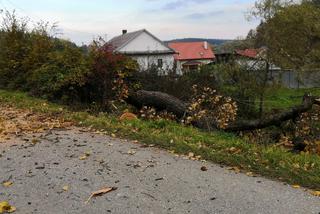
column 276, row 119
column 158, row 100
column 163, row 101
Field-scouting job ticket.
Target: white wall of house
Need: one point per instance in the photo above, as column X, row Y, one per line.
column 147, row 61
column 144, row 43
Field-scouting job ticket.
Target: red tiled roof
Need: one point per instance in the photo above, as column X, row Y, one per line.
column 251, row 53
column 192, row 50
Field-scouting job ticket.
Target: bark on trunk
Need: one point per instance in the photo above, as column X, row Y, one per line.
column 158, row 100
column 274, row 120
column 163, row 101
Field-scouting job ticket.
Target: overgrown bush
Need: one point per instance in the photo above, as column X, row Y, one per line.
column 61, row 76
column 109, row 75
column 34, row 60
column 15, row 47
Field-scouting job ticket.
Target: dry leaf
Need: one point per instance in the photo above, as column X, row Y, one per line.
column 113, row 135
column 236, row 169
column 87, row 154
column 131, row 152
column 296, row 186
column 101, row 192
column 84, row 157
column 250, row 174
column 7, row 183
column 296, row 165
column 315, row 193
column 204, row 168
column 5, row 207
column 34, row 141
column 128, row 116
column 191, row 155
column 65, row 188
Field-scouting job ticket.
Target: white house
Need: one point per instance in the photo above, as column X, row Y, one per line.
column 145, row 48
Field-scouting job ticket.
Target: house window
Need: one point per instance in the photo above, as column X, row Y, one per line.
column 160, row 63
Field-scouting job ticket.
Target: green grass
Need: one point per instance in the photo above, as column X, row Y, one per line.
column 269, row 161
column 283, row 98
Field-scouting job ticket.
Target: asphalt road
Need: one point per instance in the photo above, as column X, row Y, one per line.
column 49, row 178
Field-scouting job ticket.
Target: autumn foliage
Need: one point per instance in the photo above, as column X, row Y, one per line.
column 34, row 60
column 207, row 104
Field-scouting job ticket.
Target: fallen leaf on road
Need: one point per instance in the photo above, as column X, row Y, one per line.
column 296, row 186
column 204, row 168
column 191, row 155
column 65, row 188
column 34, row 141
column 250, row 174
column 101, row 192
column 5, row 207
column 84, row 157
column 315, row 193
column 87, row 153
column 236, row 169
column 131, row 152
column 7, row 183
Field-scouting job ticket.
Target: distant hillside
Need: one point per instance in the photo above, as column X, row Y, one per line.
column 211, row 41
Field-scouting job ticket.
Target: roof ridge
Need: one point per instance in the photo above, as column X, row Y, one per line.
column 188, row 42
column 129, row 33
column 122, row 40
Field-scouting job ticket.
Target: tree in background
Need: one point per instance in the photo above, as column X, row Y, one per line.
column 291, row 34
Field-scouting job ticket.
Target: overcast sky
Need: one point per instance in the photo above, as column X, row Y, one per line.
column 81, row 20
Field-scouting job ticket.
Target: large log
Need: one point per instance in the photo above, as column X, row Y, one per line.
column 158, row 100
column 163, row 101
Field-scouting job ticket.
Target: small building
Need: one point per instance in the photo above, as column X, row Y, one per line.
column 145, row 48
column 191, row 55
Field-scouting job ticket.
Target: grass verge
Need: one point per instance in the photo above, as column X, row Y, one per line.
column 218, row 147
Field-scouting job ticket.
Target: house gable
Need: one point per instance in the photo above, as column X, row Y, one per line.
column 144, row 42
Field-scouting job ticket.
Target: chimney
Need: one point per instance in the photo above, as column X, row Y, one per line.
column 205, row 45
column 124, row 32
